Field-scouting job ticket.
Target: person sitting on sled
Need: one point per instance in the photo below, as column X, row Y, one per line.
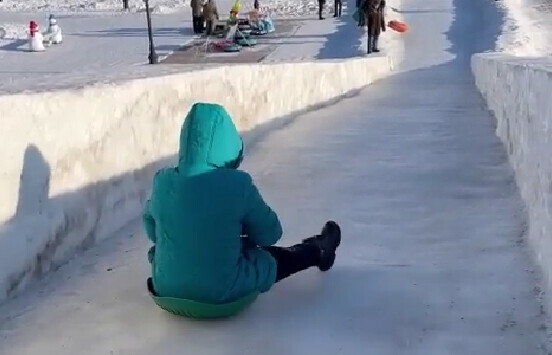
column 212, row 231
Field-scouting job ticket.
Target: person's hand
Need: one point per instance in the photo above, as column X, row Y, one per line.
column 151, row 254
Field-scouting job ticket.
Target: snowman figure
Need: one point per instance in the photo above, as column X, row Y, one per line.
column 36, row 38
column 53, row 34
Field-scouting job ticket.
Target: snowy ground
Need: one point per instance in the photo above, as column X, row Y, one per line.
column 103, row 42
column 92, row 44
column 111, row 46
column 527, row 30
column 159, row 6
column 280, row 7
column 432, row 261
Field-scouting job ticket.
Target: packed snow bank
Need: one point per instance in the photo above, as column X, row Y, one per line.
column 528, row 28
column 286, row 8
column 79, row 162
column 517, row 90
column 160, row 6
column 13, row 31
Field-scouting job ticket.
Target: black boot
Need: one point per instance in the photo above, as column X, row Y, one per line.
column 327, row 242
column 194, row 24
column 369, row 44
column 375, row 45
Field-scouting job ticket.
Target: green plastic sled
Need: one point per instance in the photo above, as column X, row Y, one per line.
column 247, row 42
column 233, row 48
column 244, row 35
column 198, row 310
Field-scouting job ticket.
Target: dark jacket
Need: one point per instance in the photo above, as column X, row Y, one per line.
column 374, row 16
column 373, row 6
column 196, row 8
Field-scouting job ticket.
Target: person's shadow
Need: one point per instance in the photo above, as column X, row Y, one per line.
column 34, row 183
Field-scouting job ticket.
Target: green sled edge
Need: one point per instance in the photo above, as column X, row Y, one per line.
column 198, row 310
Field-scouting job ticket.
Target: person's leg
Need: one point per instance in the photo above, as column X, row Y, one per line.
column 376, row 30
column 213, row 26
column 320, row 8
column 197, row 25
column 290, row 260
column 369, row 43
column 375, row 43
column 314, row 251
column 340, row 8
column 210, row 27
column 336, row 5
column 370, row 27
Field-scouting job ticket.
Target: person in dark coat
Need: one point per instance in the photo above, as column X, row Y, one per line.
column 321, row 4
column 210, row 14
column 375, row 21
column 197, row 16
column 337, row 8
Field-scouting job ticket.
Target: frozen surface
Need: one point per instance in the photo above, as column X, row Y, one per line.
column 432, row 260
column 159, row 6
column 64, row 188
column 93, row 46
column 113, row 47
column 527, row 30
column 289, row 8
column 91, row 5
column 517, row 90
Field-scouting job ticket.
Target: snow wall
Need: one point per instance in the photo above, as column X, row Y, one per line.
column 527, row 28
column 77, row 164
column 519, row 93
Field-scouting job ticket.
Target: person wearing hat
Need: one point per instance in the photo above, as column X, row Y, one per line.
column 213, row 233
column 374, row 20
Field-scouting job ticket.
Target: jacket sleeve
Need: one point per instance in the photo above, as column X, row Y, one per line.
column 148, row 221
column 260, row 222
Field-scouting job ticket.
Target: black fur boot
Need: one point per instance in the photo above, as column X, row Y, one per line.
column 327, row 242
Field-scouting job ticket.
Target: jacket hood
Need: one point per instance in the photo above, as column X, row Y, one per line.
column 209, row 139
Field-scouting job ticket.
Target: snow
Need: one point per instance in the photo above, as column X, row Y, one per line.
column 95, row 82
column 432, row 260
column 528, row 28
column 162, row 6
column 13, row 31
column 74, row 191
column 115, row 47
column 94, row 46
column 517, row 90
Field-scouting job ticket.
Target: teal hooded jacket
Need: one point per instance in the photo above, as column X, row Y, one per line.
column 207, row 219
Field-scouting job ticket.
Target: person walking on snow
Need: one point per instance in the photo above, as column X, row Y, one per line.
column 374, row 20
column 197, row 16
column 210, row 14
column 337, row 8
column 212, row 231
column 321, row 4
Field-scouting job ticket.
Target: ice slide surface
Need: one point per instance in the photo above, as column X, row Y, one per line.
column 432, row 260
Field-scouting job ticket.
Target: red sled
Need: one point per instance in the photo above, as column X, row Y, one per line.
column 398, row 26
